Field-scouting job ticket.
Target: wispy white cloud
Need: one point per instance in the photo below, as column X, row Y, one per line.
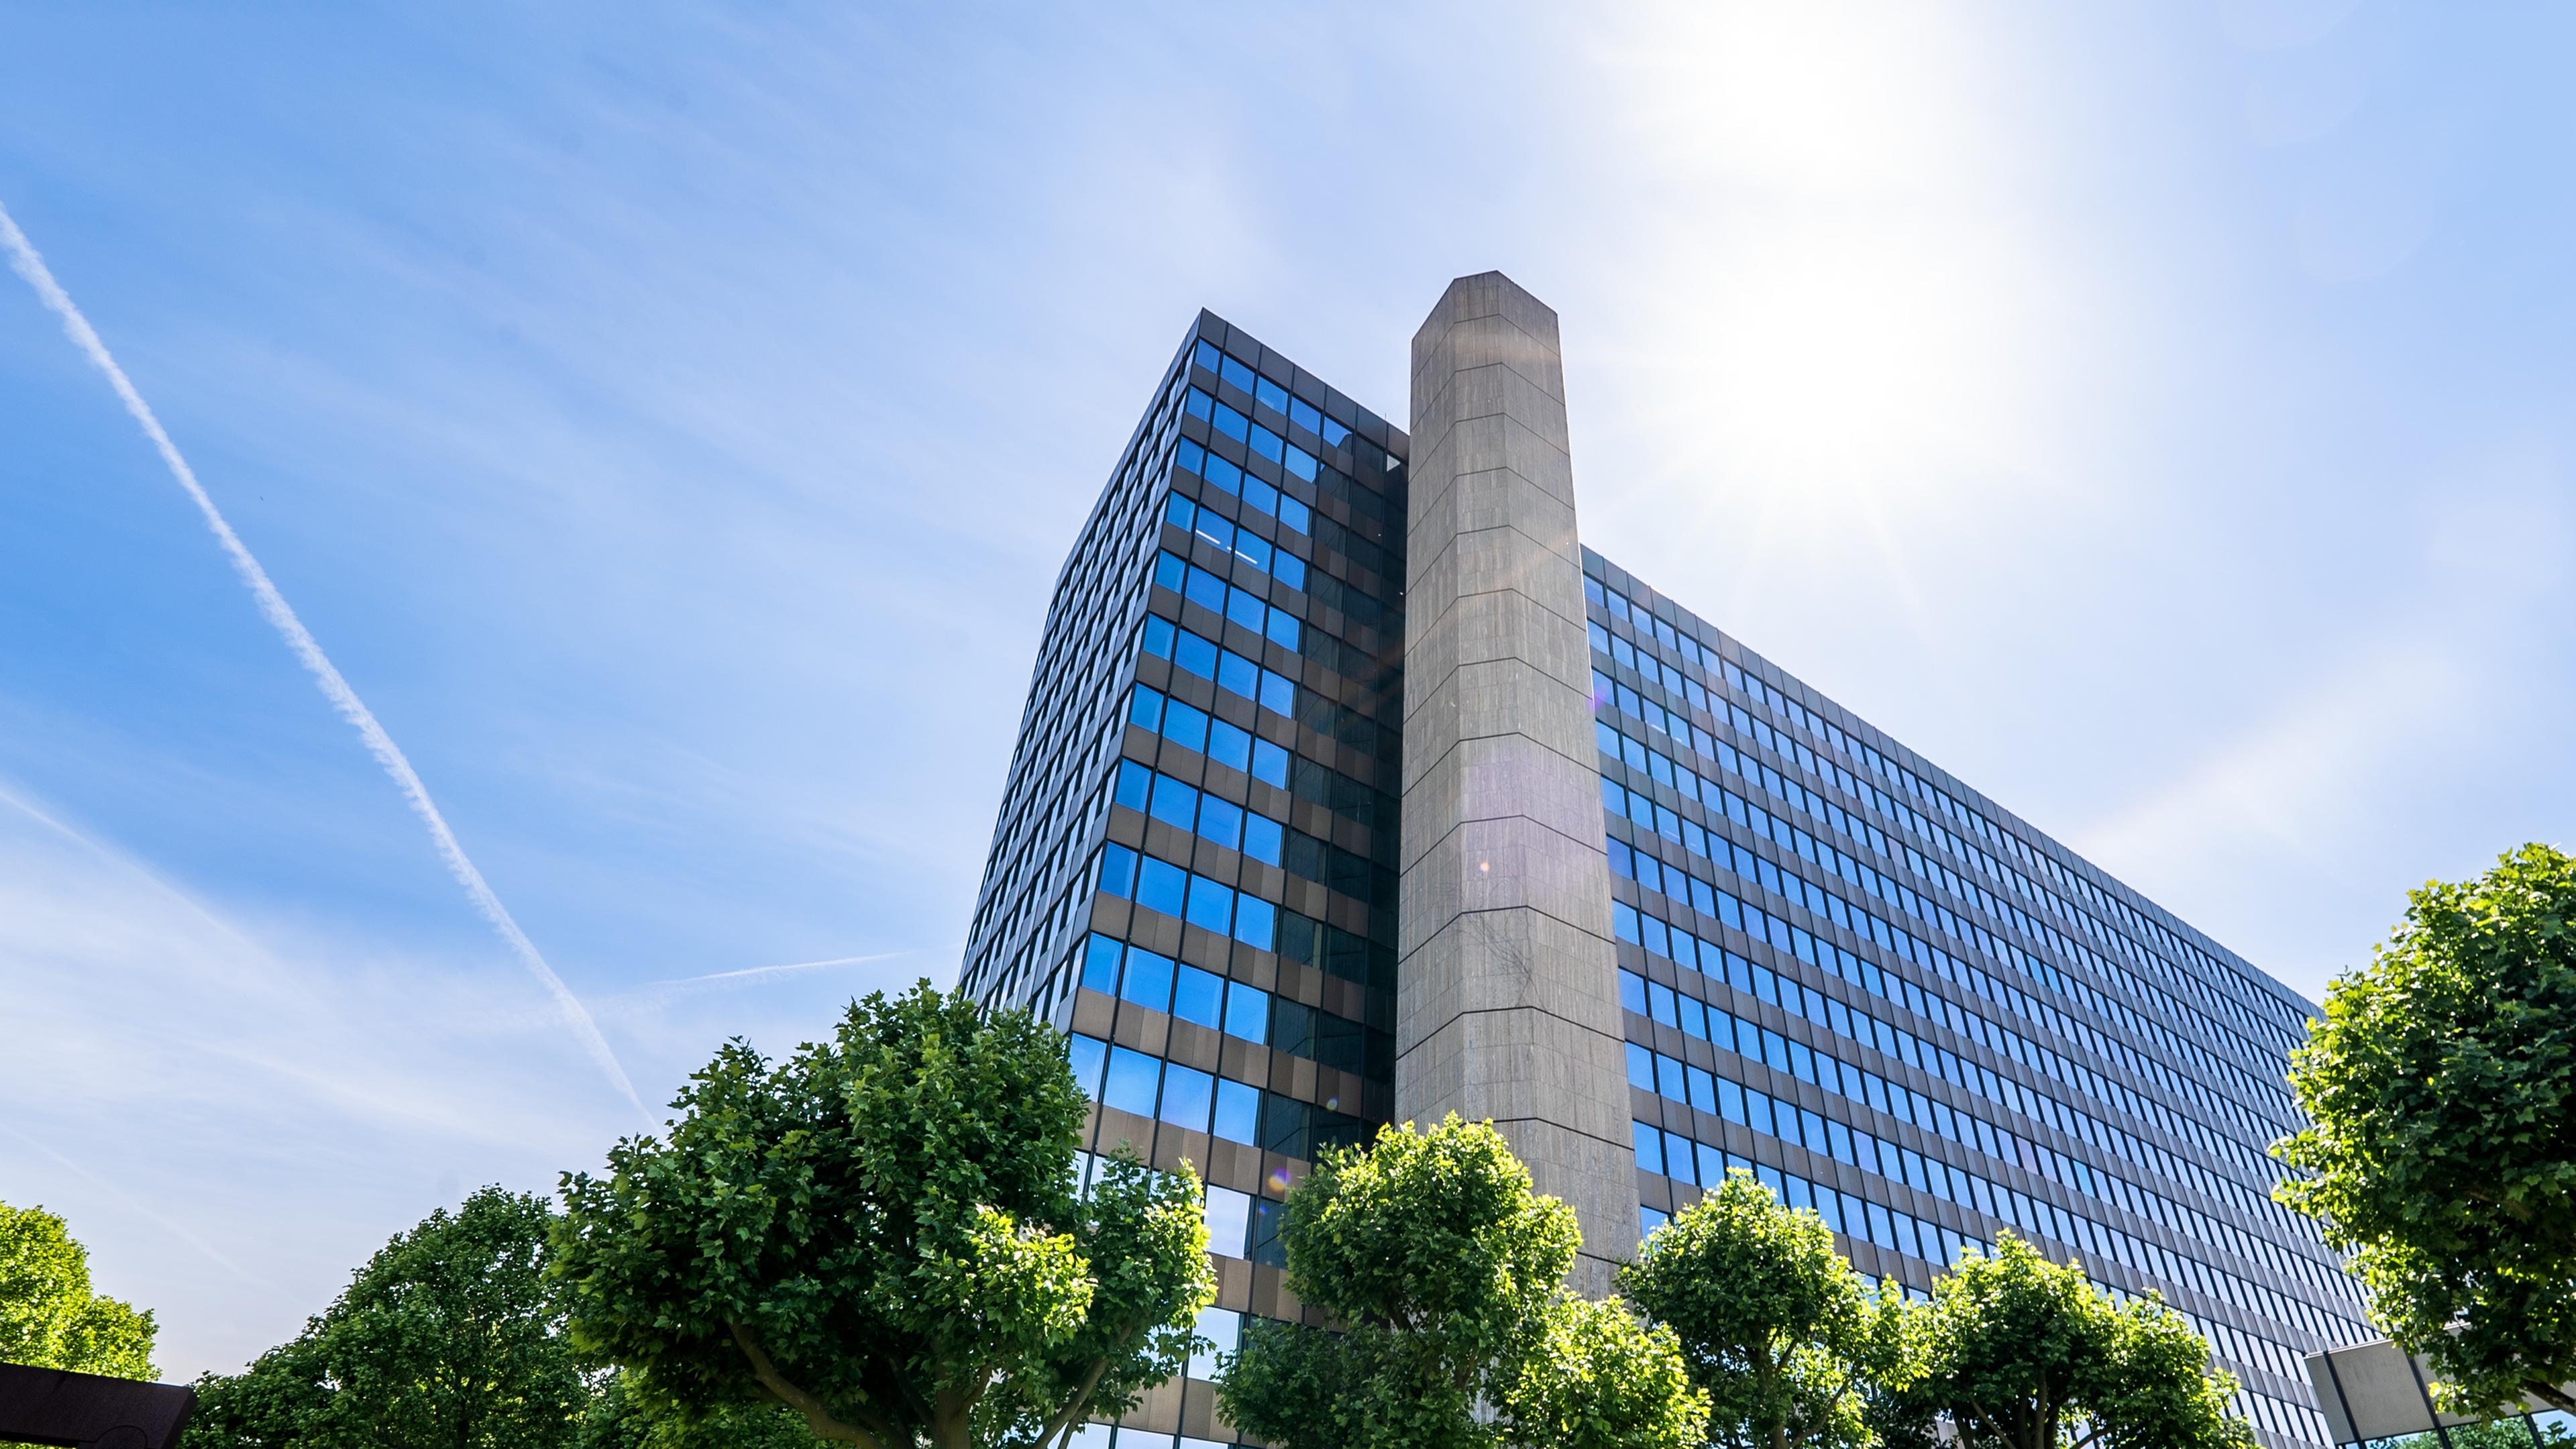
column 29, row 264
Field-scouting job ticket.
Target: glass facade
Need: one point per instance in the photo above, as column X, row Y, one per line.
column 1194, row 871
column 1841, row 969
column 1895, row 1003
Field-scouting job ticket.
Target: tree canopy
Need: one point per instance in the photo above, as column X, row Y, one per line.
column 2021, row 1353
column 2442, row 1089
column 1774, row 1324
column 447, row 1339
column 49, row 1317
column 1442, row 1272
column 883, row 1233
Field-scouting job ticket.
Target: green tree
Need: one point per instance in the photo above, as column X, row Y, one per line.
column 2016, row 1352
column 49, row 1318
column 447, row 1339
column 2442, row 1088
column 614, row 1420
column 1442, row 1272
column 881, row 1232
column 1773, row 1323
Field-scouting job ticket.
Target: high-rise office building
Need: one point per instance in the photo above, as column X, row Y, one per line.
column 1353, row 788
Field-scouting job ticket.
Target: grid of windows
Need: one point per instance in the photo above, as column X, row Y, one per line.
column 1193, row 870
column 1846, row 973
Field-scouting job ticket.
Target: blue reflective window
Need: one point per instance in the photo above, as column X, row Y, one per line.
column 1262, row 838
column 1135, row 783
column 1284, row 629
column 1632, row 992
column 1712, row 1166
column 1185, row 726
column 1211, row 906
column 1158, row 636
column 1179, row 511
column 1087, row 1054
column 1148, row 981
column 1188, row 1095
column 1256, row 923
column 1299, row 463
column 1170, row 572
column 1196, row 655
column 1245, row 608
column 1668, row 1079
column 1118, row 870
column 1278, row 695
column 1222, row 822
column 1161, row 886
column 1334, row 432
column 1252, row 548
column 1238, row 1112
column 1238, row 674
column 1650, row 1146
column 1233, row 371
column 1198, row 996
column 1215, row 528
column 1207, row 357
column 1290, row 570
column 1223, row 475
column 1270, row 395
column 1145, row 709
column 1641, row 1068
column 1730, row 1102
column 1133, row 1077
column 1303, row 414
column 1703, row 1089
column 1229, row 422
column 1270, row 764
column 1267, row 443
column 1100, row 965
column 1260, row 495
column 1247, row 1012
column 1679, row 1157
column 1175, row 804
column 1228, row 745
column 1205, row 590
column 1293, row 514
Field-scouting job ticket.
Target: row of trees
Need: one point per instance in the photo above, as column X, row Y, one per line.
column 1441, row 1273
column 882, row 1241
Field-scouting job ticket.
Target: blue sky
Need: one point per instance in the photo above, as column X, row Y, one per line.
column 670, row 419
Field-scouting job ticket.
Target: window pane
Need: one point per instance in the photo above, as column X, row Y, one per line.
column 1229, row 1221
column 1087, row 1054
column 1100, row 965
column 1238, row 1112
column 1188, row 1094
column 1247, row 1013
column 1175, row 804
column 1211, row 906
column 1185, row 726
column 1650, row 1146
column 1256, row 922
column 1222, row 822
column 1270, row 764
column 1198, row 996
column 1161, row 886
column 1148, row 982
column 1133, row 1077
column 1227, row 745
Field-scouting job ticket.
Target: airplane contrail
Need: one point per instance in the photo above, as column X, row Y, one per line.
column 25, row 261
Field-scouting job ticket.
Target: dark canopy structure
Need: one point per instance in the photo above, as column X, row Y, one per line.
column 89, row 1411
